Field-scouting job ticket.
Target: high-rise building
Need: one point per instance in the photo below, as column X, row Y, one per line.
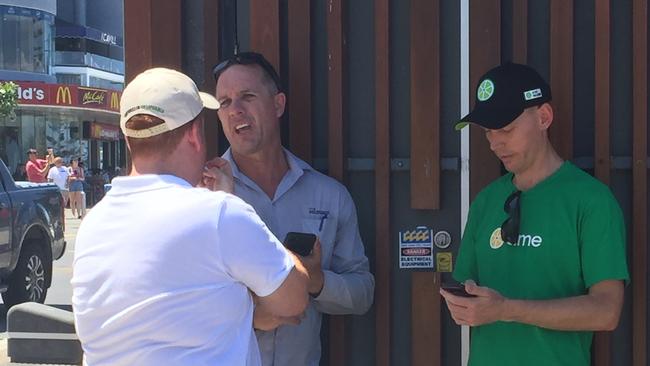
column 67, row 58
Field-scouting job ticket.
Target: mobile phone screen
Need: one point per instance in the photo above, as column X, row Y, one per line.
column 300, row 243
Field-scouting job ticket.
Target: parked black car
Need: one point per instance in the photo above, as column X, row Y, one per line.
column 31, row 237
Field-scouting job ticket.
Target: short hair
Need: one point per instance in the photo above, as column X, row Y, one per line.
column 270, row 77
column 159, row 145
column 32, row 151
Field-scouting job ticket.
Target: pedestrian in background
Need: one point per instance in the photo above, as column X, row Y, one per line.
column 77, row 177
column 36, row 169
column 59, row 175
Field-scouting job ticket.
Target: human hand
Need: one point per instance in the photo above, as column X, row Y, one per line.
column 217, row 176
column 312, row 264
column 486, row 307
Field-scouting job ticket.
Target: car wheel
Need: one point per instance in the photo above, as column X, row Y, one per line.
column 29, row 280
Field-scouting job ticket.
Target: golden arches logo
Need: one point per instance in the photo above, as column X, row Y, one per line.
column 63, row 95
column 115, row 101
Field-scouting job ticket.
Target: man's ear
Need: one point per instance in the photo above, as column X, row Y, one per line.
column 545, row 113
column 280, row 100
column 195, row 133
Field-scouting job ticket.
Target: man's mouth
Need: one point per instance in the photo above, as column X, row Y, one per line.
column 242, row 127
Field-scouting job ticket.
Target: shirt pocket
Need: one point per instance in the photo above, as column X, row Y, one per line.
column 326, row 233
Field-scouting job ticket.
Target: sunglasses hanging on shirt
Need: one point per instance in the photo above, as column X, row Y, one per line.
column 510, row 227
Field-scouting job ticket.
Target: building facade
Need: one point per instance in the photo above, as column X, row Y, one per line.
column 69, row 74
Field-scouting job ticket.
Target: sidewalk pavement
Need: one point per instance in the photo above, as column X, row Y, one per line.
column 71, row 226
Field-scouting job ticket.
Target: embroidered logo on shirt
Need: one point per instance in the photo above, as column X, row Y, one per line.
column 323, row 216
column 495, row 239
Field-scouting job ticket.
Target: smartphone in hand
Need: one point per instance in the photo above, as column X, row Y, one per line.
column 456, row 289
column 300, row 243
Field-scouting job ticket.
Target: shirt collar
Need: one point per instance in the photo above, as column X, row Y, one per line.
column 297, row 167
column 145, row 182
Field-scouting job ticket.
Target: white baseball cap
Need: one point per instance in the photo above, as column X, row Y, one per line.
column 164, row 93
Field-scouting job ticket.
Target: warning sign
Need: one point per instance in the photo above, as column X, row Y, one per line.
column 416, row 248
column 443, row 261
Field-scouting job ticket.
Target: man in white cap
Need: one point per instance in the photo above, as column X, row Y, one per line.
column 163, row 270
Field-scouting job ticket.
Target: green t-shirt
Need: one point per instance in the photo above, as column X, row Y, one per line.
column 572, row 236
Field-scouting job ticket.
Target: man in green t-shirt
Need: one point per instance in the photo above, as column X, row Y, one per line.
column 543, row 250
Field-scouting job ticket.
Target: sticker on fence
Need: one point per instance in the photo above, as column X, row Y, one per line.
column 416, row 248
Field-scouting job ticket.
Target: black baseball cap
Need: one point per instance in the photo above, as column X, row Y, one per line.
column 502, row 95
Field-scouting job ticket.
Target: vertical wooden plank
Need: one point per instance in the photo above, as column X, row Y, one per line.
column 602, row 349
column 485, row 53
column 382, row 185
column 425, row 169
column 640, row 182
column 211, row 57
column 152, row 35
column 335, row 98
column 520, row 31
column 425, row 104
column 561, row 132
column 601, row 94
column 137, row 38
column 265, row 29
column 299, row 99
column 425, row 319
column 336, row 103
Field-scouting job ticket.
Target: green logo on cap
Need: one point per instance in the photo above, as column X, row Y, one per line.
column 485, row 90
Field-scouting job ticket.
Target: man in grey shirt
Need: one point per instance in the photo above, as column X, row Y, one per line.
column 289, row 195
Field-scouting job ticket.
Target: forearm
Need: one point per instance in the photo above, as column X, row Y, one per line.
column 348, row 293
column 598, row 310
column 573, row 313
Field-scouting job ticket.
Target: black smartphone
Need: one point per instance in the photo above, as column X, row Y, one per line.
column 456, row 289
column 300, row 243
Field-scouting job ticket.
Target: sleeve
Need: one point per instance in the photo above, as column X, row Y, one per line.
column 466, row 267
column 348, row 286
column 49, row 174
column 248, row 250
column 602, row 240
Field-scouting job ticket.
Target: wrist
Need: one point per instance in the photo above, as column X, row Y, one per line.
column 316, row 286
column 508, row 310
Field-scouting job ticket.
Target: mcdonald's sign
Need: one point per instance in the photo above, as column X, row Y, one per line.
column 68, row 96
column 115, row 101
column 63, row 95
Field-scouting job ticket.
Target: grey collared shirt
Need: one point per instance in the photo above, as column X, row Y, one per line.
column 308, row 201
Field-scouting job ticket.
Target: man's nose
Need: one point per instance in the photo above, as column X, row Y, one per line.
column 235, row 107
column 494, row 140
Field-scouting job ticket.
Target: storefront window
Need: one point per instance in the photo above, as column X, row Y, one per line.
column 63, row 137
column 10, row 150
column 26, row 39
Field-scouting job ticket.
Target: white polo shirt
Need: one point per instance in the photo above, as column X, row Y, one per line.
column 162, row 273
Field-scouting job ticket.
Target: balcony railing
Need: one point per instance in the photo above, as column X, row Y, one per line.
column 73, row 58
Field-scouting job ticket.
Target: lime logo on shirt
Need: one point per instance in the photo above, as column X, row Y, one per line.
column 524, row 240
column 495, row 239
column 485, row 90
